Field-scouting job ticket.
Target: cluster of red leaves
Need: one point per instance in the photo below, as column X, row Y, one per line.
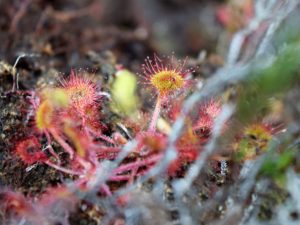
column 69, row 115
column 235, row 15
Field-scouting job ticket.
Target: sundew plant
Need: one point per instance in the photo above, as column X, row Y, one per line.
column 139, row 137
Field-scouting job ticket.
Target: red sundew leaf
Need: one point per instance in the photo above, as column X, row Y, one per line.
column 208, row 112
column 166, row 78
column 223, row 15
column 81, row 91
column 234, row 16
column 186, row 153
column 29, row 150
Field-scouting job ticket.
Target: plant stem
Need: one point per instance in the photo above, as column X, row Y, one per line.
column 155, row 116
column 130, row 166
column 49, row 146
column 63, row 143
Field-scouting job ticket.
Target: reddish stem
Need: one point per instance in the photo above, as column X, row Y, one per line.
column 155, row 116
column 125, row 177
column 133, row 165
column 63, row 143
column 49, row 146
column 106, row 190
